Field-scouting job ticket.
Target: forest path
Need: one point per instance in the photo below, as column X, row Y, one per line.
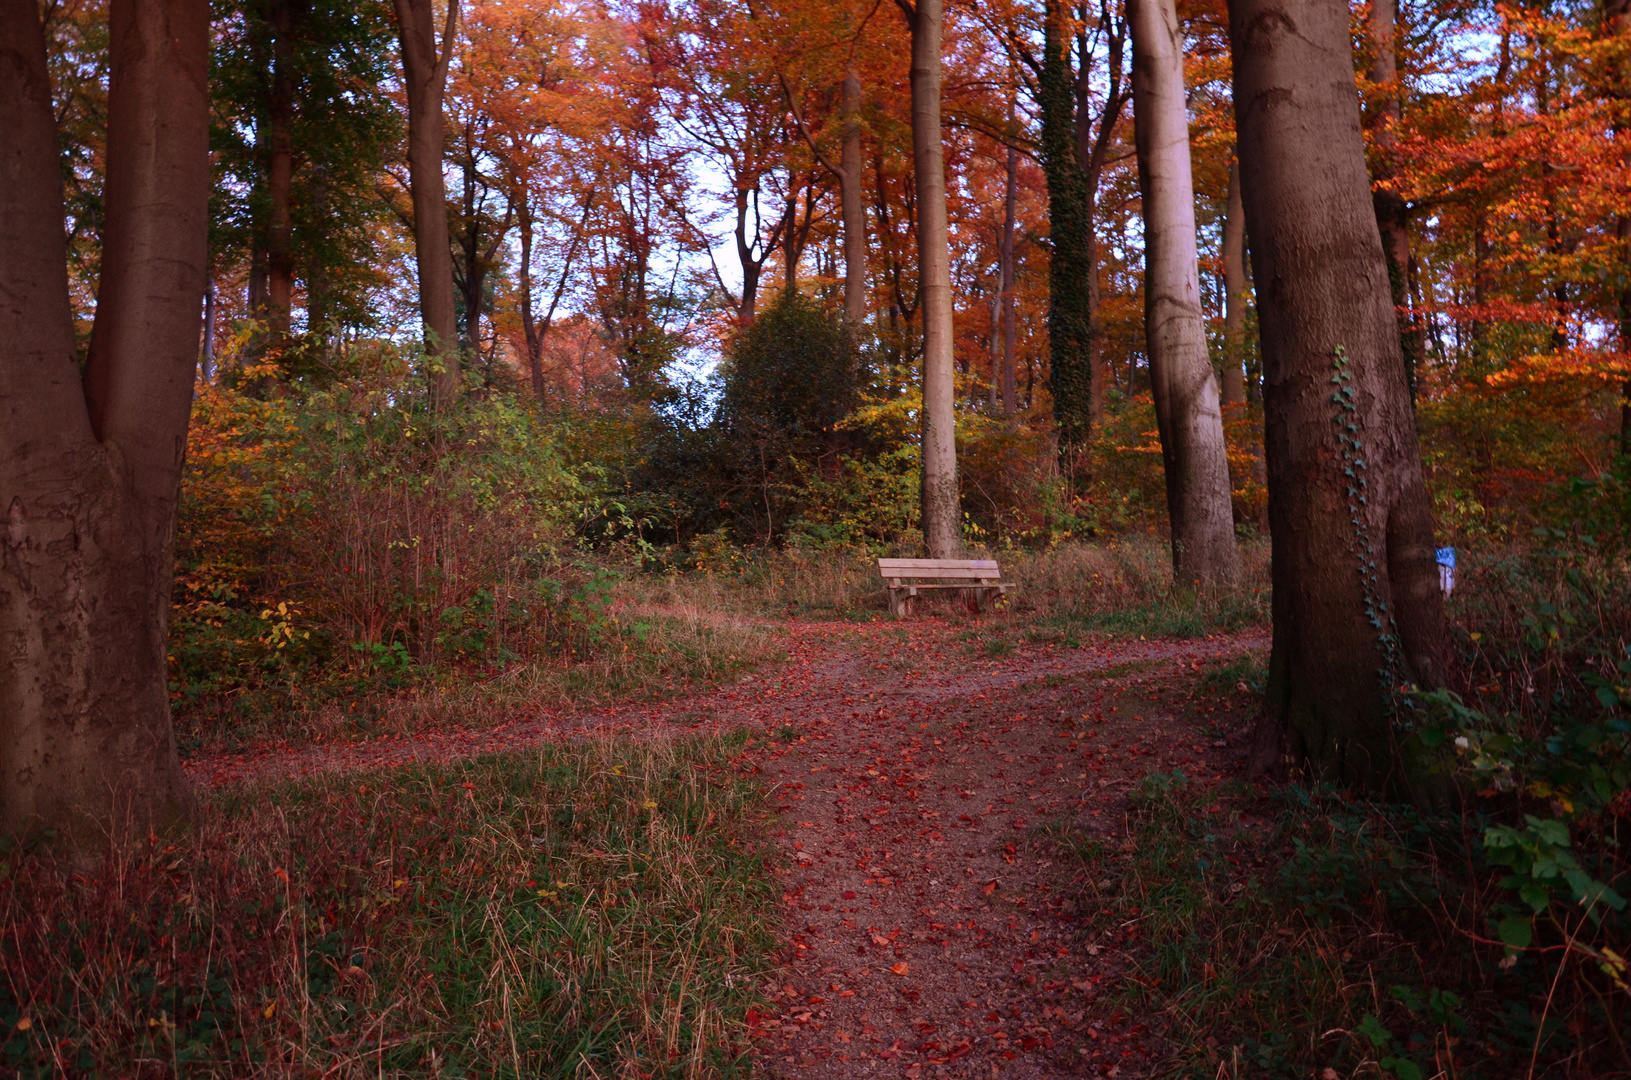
column 928, row 929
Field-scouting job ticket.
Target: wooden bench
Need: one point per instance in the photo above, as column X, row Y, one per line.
column 906, row 577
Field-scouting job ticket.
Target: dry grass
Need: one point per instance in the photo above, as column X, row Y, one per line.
column 587, row 910
column 644, row 651
column 1124, row 587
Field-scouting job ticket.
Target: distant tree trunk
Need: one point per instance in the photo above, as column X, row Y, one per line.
column 853, row 206
column 996, row 347
column 1070, row 271
column 942, row 510
column 751, row 267
column 1186, row 391
column 424, row 74
column 282, row 17
column 1234, row 293
column 1617, row 22
column 1392, row 212
column 89, row 468
column 1092, row 151
column 535, row 340
column 207, row 360
column 1357, row 607
column 1006, row 256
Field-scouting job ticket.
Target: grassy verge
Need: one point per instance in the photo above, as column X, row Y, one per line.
column 1289, row 933
column 1118, row 588
column 589, row 909
column 639, row 653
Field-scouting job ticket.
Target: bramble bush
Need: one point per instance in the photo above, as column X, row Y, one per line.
column 354, row 528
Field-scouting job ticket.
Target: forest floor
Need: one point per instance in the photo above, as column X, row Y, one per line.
column 926, row 786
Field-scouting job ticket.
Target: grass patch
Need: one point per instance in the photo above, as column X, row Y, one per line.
column 1121, row 588
column 1283, row 935
column 589, row 909
column 643, row 653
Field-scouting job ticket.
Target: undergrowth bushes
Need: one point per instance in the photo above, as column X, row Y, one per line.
column 351, row 545
column 1286, row 933
column 583, row 909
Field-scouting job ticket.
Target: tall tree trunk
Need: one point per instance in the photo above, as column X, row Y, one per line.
column 1392, row 212
column 1092, row 151
column 535, row 340
column 280, row 178
column 1070, row 271
column 424, row 74
column 207, row 359
column 1006, row 257
column 853, row 206
column 89, row 469
column 751, row 267
column 1233, row 383
column 1357, row 607
column 1186, row 391
column 995, row 346
column 790, row 245
column 1617, row 22
column 942, row 508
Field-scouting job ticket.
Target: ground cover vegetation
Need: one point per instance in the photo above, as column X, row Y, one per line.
column 676, row 399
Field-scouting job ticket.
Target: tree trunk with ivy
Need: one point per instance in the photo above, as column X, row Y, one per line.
column 89, row 464
column 1357, row 609
column 1070, row 269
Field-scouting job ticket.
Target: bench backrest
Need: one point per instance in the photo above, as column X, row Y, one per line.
column 940, row 569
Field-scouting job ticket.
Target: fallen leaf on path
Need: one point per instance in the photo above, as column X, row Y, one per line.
column 899, row 969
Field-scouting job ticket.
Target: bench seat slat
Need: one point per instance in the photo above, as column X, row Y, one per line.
column 905, row 566
column 939, row 575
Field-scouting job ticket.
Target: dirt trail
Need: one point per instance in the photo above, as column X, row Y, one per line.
column 928, row 930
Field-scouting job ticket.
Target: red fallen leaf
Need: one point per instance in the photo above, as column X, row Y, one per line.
column 962, row 1049
column 893, row 1051
column 989, row 887
column 1215, row 808
column 849, row 894
column 753, row 1018
column 900, row 968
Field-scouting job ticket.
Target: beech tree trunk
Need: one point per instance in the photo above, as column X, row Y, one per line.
column 89, row 466
column 942, row 508
column 1186, row 391
column 1233, row 383
column 1357, row 607
column 424, row 75
column 852, row 207
column 1006, row 257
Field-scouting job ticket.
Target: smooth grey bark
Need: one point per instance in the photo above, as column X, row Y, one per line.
column 424, row 76
column 89, row 466
column 1357, row 609
column 942, row 508
column 1186, row 391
